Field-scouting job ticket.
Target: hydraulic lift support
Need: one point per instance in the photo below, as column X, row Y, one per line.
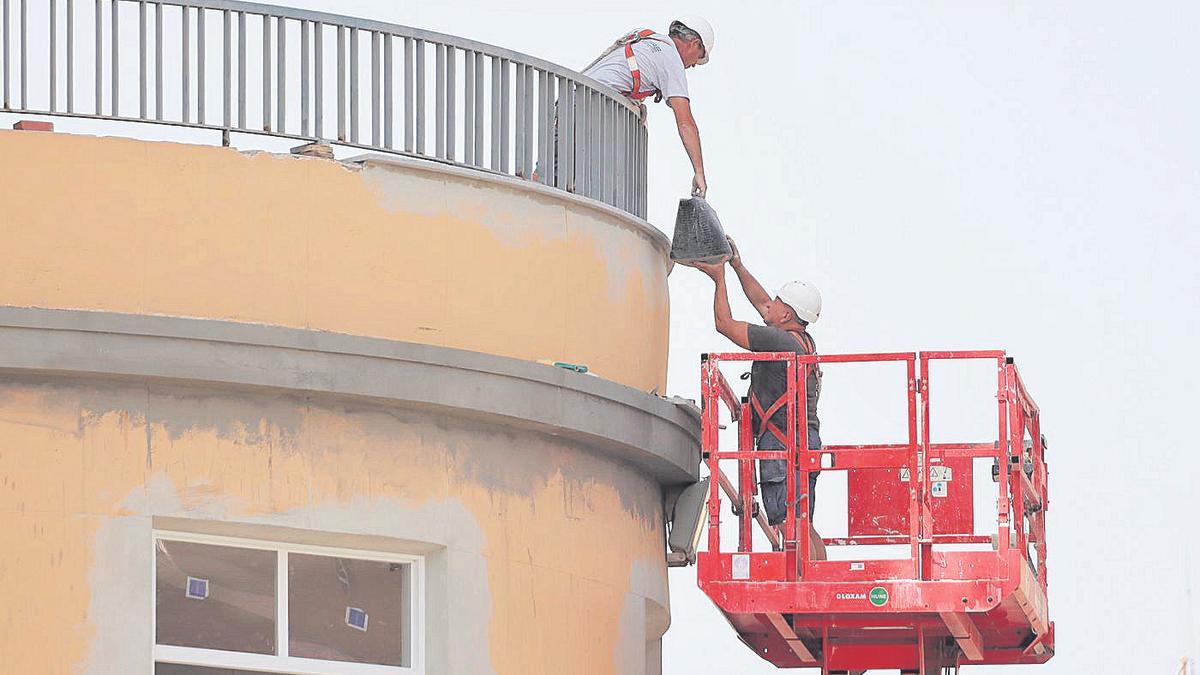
column 958, row 598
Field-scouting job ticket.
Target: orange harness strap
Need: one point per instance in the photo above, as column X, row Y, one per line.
column 764, row 416
column 637, row 94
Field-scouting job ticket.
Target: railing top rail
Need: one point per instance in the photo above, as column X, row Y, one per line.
column 396, row 30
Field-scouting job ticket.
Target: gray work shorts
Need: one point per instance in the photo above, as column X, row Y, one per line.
column 772, row 478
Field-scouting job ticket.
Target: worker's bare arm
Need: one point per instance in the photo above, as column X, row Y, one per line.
column 755, row 293
column 737, row 331
column 690, row 135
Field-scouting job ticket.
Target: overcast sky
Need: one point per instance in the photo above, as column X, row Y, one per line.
column 1014, row 175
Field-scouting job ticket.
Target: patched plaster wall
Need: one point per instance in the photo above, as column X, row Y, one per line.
column 544, row 557
column 406, row 251
column 535, row 495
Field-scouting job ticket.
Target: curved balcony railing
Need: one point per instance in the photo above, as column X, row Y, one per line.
column 241, row 67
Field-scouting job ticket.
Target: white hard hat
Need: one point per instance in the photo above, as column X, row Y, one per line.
column 704, row 29
column 803, row 298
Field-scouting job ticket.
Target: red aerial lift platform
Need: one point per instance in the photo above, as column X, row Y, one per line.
column 958, row 598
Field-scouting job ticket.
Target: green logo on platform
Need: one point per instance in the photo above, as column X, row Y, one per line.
column 878, row 596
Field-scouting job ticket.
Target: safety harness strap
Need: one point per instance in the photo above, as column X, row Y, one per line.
column 629, row 40
column 764, row 416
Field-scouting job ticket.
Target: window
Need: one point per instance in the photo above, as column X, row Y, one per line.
column 224, row 605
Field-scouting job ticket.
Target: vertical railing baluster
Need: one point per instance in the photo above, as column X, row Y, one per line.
column 388, row 91
column 70, row 56
column 582, row 156
column 408, row 94
column 200, row 75
column 375, row 73
column 142, row 80
column 319, row 79
column 545, row 160
column 479, row 96
column 635, row 140
column 5, row 55
column 561, row 135
column 613, row 178
column 597, row 115
column 158, row 58
column 623, row 155
column 304, row 68
column 266, row 72
column 619, row 156
column 116, row 59
column 566, row 133
column 530, row 107
column 341, row 83
column 495, row 101
column 24, row 55
column 610, row 150
column 354, row 85
column 185, row 70
column 505, row 120
column 241, row 90
column 643, row 163
column 281, row 74
column 554, row 132
column 633, row 175
column 622, row 152
column 439, row 100
column 451, row 99
column 98, row 45
column 227, row 69
column 419, row 46
column 53, row 54
column 601, row 150
column 468, row 107
column 519, row 122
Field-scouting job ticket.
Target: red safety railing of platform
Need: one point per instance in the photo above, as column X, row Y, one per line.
column 962, row 595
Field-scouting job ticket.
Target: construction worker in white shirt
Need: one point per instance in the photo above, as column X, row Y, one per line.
column 645, row 63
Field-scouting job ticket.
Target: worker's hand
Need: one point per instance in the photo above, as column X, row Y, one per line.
column 736, row 259
column 699, row 187
column 713, row 270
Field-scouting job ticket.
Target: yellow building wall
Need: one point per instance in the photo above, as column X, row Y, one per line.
column 562, row 535
column 406, row 252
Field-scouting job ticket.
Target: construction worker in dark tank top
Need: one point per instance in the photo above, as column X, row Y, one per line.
column 787, row 316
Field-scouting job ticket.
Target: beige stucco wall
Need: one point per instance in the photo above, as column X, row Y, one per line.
column 544, row 555
column 407, row 251
column 544, row 558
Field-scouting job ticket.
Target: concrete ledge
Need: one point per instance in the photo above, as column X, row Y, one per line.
column 658, row 436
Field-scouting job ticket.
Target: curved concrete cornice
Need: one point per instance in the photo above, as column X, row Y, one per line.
column 658, row 436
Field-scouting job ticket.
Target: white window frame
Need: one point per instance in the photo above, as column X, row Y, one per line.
column 281, row 662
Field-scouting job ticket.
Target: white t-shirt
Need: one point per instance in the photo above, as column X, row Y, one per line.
column 658, row 60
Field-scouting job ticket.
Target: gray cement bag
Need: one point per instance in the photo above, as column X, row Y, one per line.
column 699, row 236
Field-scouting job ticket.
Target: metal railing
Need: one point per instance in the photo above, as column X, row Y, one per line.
column 888, row 511
column 259, row 69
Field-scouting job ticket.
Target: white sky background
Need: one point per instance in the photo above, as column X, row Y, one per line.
column 1015, row 175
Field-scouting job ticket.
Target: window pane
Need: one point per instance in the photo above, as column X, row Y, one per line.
column 347, row 610
column 215, row 597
